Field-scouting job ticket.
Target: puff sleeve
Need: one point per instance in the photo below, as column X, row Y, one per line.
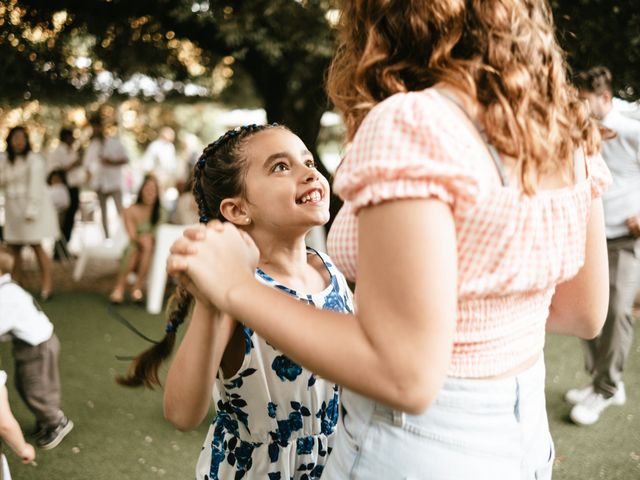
column 406, row 148
column 599, row 175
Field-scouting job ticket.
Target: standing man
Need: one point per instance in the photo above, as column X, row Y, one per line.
column 606, row 354
column 66, row 158
column 160, row 158
column 104, row 158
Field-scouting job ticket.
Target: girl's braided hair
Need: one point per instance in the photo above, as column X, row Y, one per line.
column 218, row 174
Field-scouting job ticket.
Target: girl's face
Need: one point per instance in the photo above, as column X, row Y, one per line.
column 283, row 189
column 149, row 192
column 18, row 141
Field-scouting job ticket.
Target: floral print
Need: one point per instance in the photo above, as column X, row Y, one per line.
column 275, row 420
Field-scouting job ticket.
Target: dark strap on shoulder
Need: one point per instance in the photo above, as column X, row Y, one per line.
column 495, row 155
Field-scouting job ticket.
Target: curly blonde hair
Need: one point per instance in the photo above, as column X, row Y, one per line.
column 501, row 53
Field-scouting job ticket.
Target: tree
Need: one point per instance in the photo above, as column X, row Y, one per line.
column 602, row 32
column 283, row 46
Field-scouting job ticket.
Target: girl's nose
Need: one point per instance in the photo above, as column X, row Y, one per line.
column 311, row 175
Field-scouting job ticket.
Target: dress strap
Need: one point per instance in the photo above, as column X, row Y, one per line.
column 493, row 151
column 325, row 260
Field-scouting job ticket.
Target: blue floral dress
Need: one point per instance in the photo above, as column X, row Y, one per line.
column 275, row 420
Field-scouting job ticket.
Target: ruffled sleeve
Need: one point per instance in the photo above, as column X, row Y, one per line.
column 599, row 175
column 406, row 148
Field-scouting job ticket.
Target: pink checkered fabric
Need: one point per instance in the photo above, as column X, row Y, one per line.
column 513, row 249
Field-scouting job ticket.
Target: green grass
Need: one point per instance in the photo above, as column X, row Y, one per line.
column 120, row 433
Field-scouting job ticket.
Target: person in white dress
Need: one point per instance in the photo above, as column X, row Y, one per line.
column 29, row 214
column 104, row 158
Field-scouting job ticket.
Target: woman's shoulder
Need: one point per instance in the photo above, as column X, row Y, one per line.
column 422, row 106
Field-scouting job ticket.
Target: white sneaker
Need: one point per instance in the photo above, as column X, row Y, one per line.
column 577, row 395
column 620, row 397
column 588, row 411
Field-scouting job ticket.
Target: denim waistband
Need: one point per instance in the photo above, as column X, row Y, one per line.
column 504, row 395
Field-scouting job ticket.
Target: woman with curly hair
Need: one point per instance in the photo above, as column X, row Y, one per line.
column 472, row 224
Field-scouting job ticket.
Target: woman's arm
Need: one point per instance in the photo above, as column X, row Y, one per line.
column 35, row 182
column 189, row 384
column 398, row 348
column 579, row 306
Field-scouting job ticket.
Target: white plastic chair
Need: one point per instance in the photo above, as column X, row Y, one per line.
column 166, row 234
column 109, row 249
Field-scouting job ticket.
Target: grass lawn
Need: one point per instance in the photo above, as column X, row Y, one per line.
column 120, row 433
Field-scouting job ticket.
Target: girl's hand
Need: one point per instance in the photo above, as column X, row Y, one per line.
column 216, row 259
column 27, row 454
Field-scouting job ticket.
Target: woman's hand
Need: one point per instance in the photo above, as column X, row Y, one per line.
column 216, row 258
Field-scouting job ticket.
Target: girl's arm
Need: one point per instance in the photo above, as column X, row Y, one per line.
column 129, row 220
column 10, row 431
column 398, row 348
column 189, row 384
column 579, row 306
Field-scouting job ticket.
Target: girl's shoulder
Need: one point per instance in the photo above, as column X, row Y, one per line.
column 322, row 262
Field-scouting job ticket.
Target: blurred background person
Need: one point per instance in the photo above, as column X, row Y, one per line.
column 160, row 158
column 606, row 354
column 67, row 158
column 104, row 158
column 29, row 213
column 140, row 220
column 59, row 193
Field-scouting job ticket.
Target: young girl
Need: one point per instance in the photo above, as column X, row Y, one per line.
column 275, row 420
column 140, row 221
column 472, row 222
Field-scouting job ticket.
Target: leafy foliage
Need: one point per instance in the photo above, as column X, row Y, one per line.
column 602, row 32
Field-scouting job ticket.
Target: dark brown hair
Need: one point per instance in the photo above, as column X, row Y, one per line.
column 218, row 174
column 595, row 80
column 11, row 153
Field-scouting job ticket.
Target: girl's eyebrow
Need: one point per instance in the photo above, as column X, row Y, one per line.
column 277, row 155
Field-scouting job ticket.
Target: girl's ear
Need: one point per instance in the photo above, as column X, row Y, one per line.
column 233, row 210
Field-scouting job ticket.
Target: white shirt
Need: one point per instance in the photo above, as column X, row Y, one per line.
column 622, row 155
column 60, row 159
column 104, row 178
column 59, row 196
column 20, row 316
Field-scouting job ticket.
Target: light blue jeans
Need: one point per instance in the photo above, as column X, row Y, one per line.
column 474, row 430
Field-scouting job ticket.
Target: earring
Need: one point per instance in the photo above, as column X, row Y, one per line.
column 247, row 220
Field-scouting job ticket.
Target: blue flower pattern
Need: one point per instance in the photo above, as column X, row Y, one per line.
column 273, row 413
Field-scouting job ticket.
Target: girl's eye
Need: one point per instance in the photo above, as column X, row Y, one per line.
column 310, row 163
column 280, row 167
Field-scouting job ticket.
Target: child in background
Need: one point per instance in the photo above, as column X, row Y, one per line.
column 10, row 432
column 35, row 353
column 275, row 420
column 59, row 192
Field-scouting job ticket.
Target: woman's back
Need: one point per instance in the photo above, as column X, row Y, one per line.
column 513, row 248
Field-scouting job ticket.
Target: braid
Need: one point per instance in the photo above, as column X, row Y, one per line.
column 218, row 174
column 144, row 368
